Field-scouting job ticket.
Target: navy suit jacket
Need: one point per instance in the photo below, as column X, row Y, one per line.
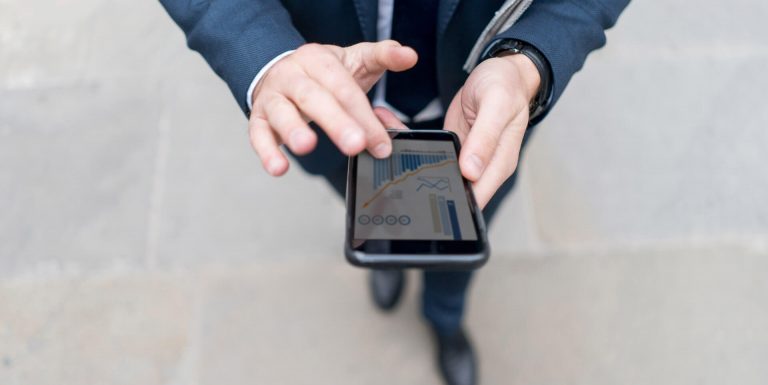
column 238, row 37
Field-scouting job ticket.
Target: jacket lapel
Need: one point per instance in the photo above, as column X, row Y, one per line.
column 368, row 10
column 367, row 15
column 444, row 13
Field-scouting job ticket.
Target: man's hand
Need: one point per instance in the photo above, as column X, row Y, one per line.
column 326, row 84
column 490, row 115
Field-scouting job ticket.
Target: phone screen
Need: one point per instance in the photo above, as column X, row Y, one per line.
column 416, row 194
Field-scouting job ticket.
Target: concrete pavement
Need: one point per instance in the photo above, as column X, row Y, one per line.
column 141, row 243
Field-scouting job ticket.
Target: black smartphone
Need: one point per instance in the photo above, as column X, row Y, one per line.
column 413, row 209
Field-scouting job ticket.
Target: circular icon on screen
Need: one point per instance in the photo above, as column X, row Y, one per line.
column 363, row 219
column 404, row 220
column 377, row 219
column 391, row 220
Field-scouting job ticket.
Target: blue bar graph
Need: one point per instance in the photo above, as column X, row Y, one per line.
column 454, row 220
column 444, row 215
column 385, row 170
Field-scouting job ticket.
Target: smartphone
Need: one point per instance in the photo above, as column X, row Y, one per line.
column 413, row 209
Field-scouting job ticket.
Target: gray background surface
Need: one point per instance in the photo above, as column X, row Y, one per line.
column 140, row 242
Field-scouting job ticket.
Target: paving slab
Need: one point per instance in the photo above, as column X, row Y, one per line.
column 140, row 241
column 665, row 318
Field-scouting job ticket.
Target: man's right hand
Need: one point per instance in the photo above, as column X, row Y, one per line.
column 326, row 84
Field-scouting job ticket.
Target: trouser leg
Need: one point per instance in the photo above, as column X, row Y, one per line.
column 444, row 293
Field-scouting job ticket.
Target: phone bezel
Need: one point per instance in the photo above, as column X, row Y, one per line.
column 402, row 253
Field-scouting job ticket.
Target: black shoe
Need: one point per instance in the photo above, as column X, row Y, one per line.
column 456, row 359
column 386, row 287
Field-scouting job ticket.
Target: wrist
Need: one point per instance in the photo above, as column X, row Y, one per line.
column 540, row 82
column 528, row 72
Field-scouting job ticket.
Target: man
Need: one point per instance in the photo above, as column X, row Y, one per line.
column 292, row 62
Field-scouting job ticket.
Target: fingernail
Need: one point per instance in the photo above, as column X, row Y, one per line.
column 382, row 150
column 273, row 166
column 352, row 138
column 476, row 165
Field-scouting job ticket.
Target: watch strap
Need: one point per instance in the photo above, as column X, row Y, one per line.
column 542, row 100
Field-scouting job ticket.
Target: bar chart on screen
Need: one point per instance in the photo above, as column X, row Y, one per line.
column 444, row 218
column 417, row 193
column 408, row 164
column 400, row 163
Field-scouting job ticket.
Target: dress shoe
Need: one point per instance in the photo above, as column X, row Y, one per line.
column 456, row 359
column 386, row 287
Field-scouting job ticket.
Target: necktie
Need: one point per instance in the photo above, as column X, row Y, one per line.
column 414, row 23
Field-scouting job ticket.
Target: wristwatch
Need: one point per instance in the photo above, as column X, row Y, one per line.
column 543, row 97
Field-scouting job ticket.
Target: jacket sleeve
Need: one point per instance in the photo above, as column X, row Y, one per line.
column 236, row 37
column 565, row 31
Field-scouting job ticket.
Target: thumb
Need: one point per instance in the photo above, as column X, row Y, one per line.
column 368, row 61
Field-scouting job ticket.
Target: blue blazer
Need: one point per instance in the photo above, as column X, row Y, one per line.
column 238, row 37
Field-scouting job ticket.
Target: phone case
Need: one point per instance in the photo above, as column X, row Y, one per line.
column 441, row 260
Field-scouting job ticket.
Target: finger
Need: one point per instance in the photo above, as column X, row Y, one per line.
column 502, row 165
column 331, row 74
column 370, row 60
column 289, row 125
column 493, row 116
column 388, row 118
column 264, row 142
column 320, row 106
column 388, row 55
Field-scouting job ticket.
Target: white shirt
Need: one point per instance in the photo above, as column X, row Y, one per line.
column 433, row 110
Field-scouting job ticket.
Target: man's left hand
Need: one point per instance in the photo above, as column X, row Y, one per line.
column 490, row 115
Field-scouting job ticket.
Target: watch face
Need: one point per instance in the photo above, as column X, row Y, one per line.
column 505, row 47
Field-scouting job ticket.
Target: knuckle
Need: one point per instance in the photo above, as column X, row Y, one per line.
column 286, row 121
column 304, row 92
column 387, row 43
column 347, row 94
column 257, row 114
column 510, row 166
column 267, row 106
column 304, row 98
column 338, row 118
column 306, row 95
column 485, row 143
column 310, row 49
column 268, row 102
column 277, row 121
column 251, row 130
column 280, row 77
column 327, row 66
column 484, row 155
column 374, row 137
column 364, row 46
